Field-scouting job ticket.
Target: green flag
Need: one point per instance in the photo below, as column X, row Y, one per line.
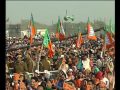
column 46, row 39
column 58, row 25
column 80, row 65
column 111, row 27
column 66, row 18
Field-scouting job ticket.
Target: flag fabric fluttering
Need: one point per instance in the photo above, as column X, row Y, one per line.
column 48, row 44
column 91, row 33
column 111, row 28
column 66, row 18
column 109, row 41
column 79, row 40
column 67, row 86
column 60, row 33
column 32, row 29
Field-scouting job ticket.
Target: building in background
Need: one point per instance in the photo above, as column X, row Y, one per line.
column 14, row 30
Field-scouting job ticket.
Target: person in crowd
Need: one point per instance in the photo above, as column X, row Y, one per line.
column 22, row 84
column 89, row 67
column 20, row 66
column 34, row 83
column 70, row 76
column 29, row 62
column 40, row 87
column 64, row 67
column 46, row 63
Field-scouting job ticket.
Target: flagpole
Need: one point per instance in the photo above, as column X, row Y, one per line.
column 65, row 23
column 58, row 35
column 104, row 41
column 39, row 58
column 66, row 27
column 104, row 37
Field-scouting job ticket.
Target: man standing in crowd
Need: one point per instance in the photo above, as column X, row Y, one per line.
column 84, row 66
column 20, row 66
column 29, row 62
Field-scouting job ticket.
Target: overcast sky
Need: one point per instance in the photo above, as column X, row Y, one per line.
column 47, row 11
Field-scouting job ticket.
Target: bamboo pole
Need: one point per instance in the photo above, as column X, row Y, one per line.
column 39, row 58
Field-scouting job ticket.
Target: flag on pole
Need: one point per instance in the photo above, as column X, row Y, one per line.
column 111, row 28
column 60, row 33
column 66, row 18
column 91, row 33
column 79, row 41
column 109, row 41
column 32, row 29
column 48, row 44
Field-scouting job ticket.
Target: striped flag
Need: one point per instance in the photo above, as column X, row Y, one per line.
column 47, row 43
column 32, row 29
column 60, row 33
column 62, row 29
column 79, row 41
column 109, row 41
column 91, row 33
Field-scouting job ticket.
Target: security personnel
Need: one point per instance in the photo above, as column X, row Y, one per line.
column 46, row 63
column 29, row 63
column 20, row 66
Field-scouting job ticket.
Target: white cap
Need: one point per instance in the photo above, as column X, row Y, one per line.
column 75, row 50
column 53, row 45
column 73, row 45
column 36, row 71
column 62, row 56
column 70, row 70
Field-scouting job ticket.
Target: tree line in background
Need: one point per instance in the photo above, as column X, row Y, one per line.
column 68, row 26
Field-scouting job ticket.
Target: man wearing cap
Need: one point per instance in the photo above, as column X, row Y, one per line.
column 20, row 66
column 64, row 67
column 70, row 75
column 9, row 62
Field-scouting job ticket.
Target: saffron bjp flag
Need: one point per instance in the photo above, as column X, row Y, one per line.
column 60, row 33
column 79, row 41
column 91, row 33
column 67, row 86
column 109, row 41
column 48, row 44
column 16, row 76
column 32, row 29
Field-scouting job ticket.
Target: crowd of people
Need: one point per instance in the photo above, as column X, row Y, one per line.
column 89, row 67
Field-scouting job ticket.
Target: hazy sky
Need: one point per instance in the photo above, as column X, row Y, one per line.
column 46, row 11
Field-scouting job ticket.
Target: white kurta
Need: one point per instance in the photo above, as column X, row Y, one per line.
column 86, row 64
